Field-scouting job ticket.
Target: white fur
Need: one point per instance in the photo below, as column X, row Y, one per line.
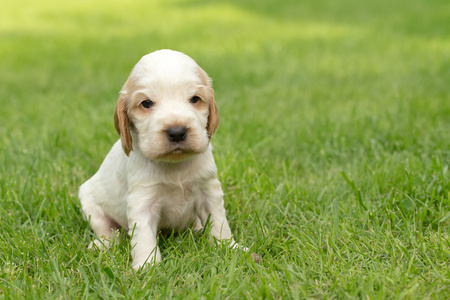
column 153, row 188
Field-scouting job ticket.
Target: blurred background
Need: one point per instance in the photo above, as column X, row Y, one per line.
column 276, row 65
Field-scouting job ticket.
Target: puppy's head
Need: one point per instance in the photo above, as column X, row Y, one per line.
column 166, row 108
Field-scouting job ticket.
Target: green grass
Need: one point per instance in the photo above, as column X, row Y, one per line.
column 333, row 149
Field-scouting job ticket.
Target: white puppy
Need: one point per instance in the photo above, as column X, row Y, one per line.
column 161, row 173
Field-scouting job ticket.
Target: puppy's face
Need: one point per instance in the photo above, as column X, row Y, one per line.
column 166, row 108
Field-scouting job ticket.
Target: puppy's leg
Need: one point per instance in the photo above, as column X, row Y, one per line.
column 143, row 218
column 214, row 209
column 104, row 228
column 197, row 226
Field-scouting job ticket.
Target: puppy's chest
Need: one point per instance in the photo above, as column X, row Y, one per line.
column 178, row 204
column 181, row 194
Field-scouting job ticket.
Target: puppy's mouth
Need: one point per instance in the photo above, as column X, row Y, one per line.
column 177, row 154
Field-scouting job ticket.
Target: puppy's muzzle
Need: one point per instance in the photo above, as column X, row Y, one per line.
column 176, row 134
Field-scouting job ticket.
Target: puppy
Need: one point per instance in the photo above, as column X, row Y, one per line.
column 161, row 173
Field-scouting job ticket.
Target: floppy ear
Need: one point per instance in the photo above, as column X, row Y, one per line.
column 122, row 124
column 213, row 116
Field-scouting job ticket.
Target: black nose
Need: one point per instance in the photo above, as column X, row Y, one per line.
column 176, row 134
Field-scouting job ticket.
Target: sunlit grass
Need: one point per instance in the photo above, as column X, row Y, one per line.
column 333, row 148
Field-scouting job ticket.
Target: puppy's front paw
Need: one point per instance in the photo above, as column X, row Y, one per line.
column 235, row 245
column 146, row 261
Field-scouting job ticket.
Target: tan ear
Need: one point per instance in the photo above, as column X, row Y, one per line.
column 122, row 124
column 213, row 116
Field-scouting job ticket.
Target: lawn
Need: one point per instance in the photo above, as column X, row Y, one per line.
column 333, row 149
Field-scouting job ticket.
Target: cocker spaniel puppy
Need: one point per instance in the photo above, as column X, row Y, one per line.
column 161, row 173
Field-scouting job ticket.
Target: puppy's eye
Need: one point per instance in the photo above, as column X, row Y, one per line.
column 194, row 99
column 147, row 103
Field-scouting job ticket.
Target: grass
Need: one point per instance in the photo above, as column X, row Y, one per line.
column 333, row 148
